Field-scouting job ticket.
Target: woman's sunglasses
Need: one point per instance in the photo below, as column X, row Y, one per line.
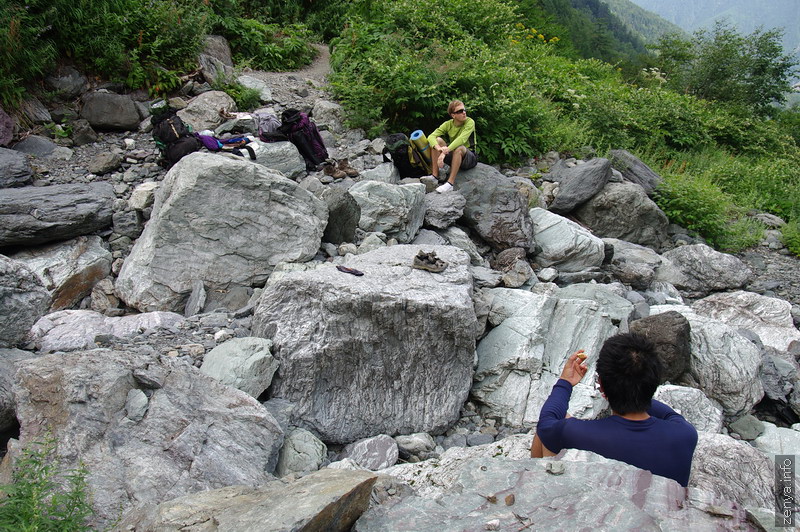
column 459, row 111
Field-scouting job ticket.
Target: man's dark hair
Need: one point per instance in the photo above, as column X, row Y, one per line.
column 629, row 372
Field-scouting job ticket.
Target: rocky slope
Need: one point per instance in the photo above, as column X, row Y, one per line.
column 187, row 335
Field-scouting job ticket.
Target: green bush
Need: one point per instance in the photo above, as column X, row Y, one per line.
column 790, row 234
column 42, row 498
column 267, row 46
column 116, row 37
column 24, row 54
column 695, row 203
column 246, row 99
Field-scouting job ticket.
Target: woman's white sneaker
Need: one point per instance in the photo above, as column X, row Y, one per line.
column 447, row 187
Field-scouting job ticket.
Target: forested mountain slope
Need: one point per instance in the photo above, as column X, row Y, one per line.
column 646, row 24
column 747, row 15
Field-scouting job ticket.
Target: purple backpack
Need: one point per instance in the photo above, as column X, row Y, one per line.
column 304, row 134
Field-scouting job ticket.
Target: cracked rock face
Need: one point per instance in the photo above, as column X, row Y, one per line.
column 179, row 432
column 387, row 352
column 258, row 218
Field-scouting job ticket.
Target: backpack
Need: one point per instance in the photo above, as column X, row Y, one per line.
column 405, row 156
column 303, row 133
column 266, row 123
column 173, row 137
column 175, row 151
column 168, row 127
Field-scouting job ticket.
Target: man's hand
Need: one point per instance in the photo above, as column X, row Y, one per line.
column 574, row 369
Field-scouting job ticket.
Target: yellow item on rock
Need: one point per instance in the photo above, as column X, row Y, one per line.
column 419, row 140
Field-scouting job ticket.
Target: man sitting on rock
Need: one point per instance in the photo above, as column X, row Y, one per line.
column 641, row 431
column 455, row 151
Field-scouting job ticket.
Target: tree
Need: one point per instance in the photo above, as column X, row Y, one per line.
column 726, row 66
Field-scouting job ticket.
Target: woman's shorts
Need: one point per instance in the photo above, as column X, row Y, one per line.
column 470, row 160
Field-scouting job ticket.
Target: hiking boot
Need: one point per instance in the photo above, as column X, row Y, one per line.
column 447, row 187
column 333, row 172
column 344, row 166
column 429, row 262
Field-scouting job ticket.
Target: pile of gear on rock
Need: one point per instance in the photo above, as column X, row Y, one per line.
column 175, row 139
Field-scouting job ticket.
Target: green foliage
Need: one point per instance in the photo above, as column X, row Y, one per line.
column 328, row 17
column 695, row 203
column 114, row 37
column 246, row 99
column 41, row 497
column 267, row 46
column 709, row 191
column 24, row 55
column 790, row 234
column 725, row 66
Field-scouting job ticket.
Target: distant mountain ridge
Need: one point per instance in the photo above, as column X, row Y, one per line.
column 747, row 15
column 644, row 23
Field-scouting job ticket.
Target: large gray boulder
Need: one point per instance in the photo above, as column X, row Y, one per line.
column 734, row 470
column 203, row 111
column 67, row 82
column 344, row 214
column 69, row 270
column 329, row 500
column 215, row 61
column 395, row 210
column 703, row 413
column 521, row 358
column 495, row 209
column 619, row 309
column 9, row 358
column 579, row 184
column 302, row 452
column 623, row 211
column 564, row 244
column 282, row 157
column 480, row 488
column 632, row 264
column 23, row 300
column 443, row 210
column 698, row 270
column 378, row 452
column 770, row 318
column 15, row 171
column 635, row 171
column 244, row 363
column 197, row 434
column 670, row 332
column 724, row 364
column 109, row 111
column 389, row 352
column 72, row 330
column 778, row 441
column 36, row 215
column 221, row 220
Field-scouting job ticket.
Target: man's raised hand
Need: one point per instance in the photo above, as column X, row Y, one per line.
column 574, row 369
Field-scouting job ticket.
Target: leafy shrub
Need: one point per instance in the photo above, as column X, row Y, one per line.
column 790, row 234
column 267, row 46
column 24, row 54
column 41, row 497
column 246, row 98
column 695, row 203
column 115, row 37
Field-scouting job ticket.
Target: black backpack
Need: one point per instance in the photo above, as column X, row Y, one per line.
column 405, row 156
column 168, row 127
column 175, row 151
column 173, row 137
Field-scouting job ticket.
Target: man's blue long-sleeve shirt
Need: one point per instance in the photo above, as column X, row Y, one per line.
column 662, row 444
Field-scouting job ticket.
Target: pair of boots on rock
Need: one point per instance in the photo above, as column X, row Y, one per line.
column 340, row 170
